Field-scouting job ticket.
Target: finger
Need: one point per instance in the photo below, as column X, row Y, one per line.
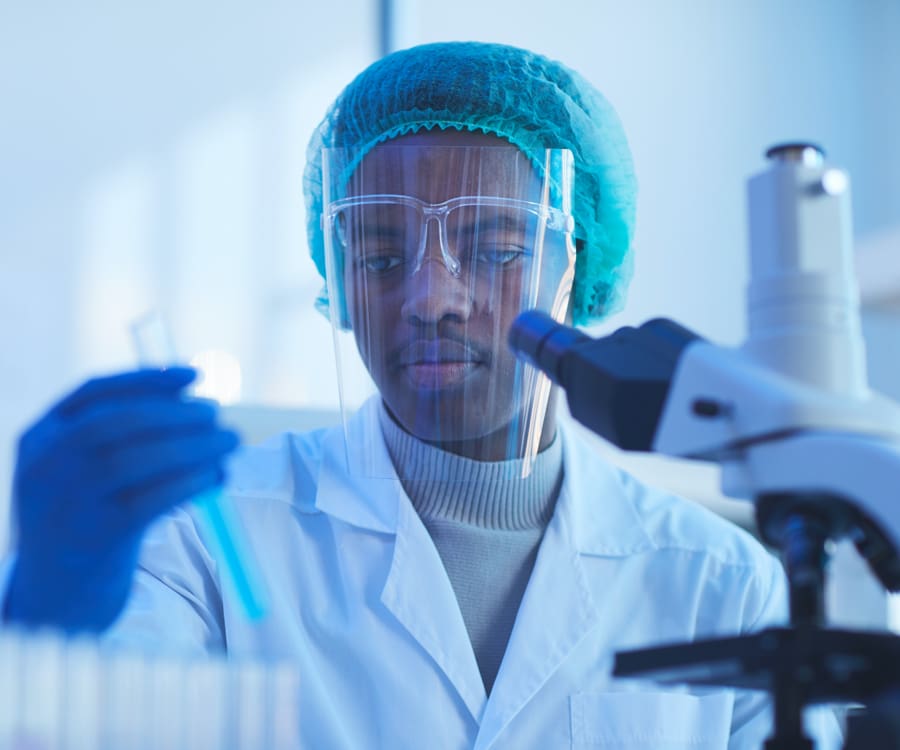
column 104, row 425
column 128, row 468
column 152, row 500
column 44, row 445
column 125, row 385
column 106, row 466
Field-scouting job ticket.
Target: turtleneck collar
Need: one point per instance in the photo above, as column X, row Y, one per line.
column 488, row 494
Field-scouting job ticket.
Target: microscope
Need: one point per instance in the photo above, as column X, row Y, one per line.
column 790, row 419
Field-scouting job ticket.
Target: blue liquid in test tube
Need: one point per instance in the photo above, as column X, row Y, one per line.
column 215, row 514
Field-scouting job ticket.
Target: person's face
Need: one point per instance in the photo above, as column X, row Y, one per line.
column 431, row 323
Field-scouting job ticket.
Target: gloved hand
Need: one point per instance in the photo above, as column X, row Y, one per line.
column 90, row 476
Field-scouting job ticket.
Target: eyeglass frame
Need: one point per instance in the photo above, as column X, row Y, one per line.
column 555, row 219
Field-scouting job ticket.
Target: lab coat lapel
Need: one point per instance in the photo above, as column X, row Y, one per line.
column 594, row 517
column 419, row 594
column 417, row 591
column 556, row 613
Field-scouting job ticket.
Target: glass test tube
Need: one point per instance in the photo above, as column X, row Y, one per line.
column 155, row 349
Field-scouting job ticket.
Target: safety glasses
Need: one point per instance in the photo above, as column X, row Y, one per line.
column 387, row 232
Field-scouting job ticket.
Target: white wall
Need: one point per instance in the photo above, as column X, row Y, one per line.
column 704, row 87
column 150, row 155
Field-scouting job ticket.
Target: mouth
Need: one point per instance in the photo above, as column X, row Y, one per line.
column 439, row 374
column 439, row 363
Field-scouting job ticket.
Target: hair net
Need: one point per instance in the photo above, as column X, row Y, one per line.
column 531, row 101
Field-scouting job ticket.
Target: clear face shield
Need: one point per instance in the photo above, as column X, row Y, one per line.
column 431, row 253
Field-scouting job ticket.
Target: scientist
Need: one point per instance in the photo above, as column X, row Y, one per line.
column 450, row 569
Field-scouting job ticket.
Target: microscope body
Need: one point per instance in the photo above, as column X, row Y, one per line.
column 792, row 422
column 789, row 413
column 795, row 416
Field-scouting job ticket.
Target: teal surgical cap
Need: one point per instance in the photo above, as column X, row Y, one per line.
column 532, row 102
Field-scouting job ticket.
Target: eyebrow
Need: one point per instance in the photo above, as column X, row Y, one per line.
column 383, row 229
column 504, row 221
column 379, row 225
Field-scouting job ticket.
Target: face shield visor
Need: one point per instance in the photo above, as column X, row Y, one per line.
column 431, row 253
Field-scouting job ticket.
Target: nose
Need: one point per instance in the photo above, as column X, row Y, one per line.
column 433, row 238
column 433, row 292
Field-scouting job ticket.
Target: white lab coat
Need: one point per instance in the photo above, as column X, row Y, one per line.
column 360, row 601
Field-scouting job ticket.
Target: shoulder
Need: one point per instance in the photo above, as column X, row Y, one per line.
column 284, row 468
column 675, row 523
column 613, row 504
column 292, row 467
column 688, row 546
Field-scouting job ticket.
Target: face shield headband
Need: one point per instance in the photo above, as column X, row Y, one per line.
column 431, row 253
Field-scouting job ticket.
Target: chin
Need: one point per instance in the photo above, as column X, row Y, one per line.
column 443, row 425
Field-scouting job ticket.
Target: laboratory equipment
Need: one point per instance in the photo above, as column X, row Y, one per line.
column 78, row 694
column 791, row 421
column 221, row 528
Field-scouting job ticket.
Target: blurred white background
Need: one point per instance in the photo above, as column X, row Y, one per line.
column 151, row 157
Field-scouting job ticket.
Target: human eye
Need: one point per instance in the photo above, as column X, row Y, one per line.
column 380, row 263
column 496, row 238
column 381, row 248
column 499, row 256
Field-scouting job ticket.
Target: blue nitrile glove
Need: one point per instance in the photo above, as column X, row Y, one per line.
column 90, row 476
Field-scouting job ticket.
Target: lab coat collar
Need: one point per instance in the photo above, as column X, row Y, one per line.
column 605, row 524
column 367, row 494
